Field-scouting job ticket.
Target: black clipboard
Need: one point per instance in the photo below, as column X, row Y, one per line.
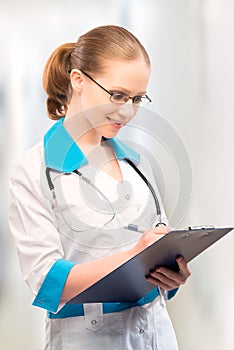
column 127, row 283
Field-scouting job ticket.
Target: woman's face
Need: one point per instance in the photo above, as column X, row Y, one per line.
column 101, row 115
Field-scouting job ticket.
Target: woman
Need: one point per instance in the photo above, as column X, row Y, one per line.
column 72, row 197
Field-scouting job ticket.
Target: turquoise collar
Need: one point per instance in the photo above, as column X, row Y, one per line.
column 63, row 154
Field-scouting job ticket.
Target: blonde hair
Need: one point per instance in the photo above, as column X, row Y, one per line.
column 88, row 54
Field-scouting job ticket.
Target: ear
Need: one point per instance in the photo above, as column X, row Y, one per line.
column 77, row 79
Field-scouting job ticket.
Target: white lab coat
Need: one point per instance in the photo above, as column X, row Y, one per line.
column 50, row 233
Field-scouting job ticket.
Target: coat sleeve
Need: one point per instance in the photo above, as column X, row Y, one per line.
column 37, row 239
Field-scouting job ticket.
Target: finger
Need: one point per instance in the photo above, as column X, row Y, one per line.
column 161, row 278
column 160, row 229
column 168, row 279
column 179, row 277
column 161, row 284
column 183, row 266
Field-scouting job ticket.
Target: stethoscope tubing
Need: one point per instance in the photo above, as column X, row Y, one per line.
column 77, row 172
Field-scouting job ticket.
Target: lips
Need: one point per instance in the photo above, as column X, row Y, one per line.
column 115, row 122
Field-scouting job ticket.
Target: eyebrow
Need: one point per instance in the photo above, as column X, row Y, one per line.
column 125, row 91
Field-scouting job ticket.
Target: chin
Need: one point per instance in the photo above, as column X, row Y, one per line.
column 110, row 135
column 108, row 132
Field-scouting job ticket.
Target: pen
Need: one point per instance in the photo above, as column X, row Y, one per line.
column 136, row 228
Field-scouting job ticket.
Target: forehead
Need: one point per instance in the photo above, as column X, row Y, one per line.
column 132, row 75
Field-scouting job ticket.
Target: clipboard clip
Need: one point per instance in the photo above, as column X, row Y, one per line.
column 202, row 227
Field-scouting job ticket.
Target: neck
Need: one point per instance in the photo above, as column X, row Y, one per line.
column 77, row 123
column 82, row 132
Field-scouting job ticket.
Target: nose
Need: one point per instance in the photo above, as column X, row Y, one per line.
column 127, row 110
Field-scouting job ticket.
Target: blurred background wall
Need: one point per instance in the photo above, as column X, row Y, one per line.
column 191, row 47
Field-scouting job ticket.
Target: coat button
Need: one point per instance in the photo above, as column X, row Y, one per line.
column 141, row 331
column 40, row 301
column 93, row 322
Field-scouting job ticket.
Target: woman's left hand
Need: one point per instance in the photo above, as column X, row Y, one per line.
column 168, row 279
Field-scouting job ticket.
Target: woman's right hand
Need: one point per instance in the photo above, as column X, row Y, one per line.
column 149, row 237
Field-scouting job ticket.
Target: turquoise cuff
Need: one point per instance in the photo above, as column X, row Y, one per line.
column 51, row 290
column 172, row 293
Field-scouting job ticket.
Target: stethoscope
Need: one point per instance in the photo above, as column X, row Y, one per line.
column 132, row 227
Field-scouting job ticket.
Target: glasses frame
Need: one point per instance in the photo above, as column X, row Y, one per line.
column 148, row 99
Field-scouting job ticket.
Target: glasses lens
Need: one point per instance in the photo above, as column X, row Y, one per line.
column 117, row 97
column 138, row 101
column 141, row 101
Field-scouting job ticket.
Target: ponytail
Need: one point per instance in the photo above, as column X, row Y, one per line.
column 56, row 81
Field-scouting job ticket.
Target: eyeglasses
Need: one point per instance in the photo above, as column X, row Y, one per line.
column 120, row 98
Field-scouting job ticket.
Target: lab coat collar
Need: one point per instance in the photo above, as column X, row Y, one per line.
column 63, row 154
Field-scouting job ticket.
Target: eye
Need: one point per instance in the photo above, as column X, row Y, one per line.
column 118, row 97
column 138, row 99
